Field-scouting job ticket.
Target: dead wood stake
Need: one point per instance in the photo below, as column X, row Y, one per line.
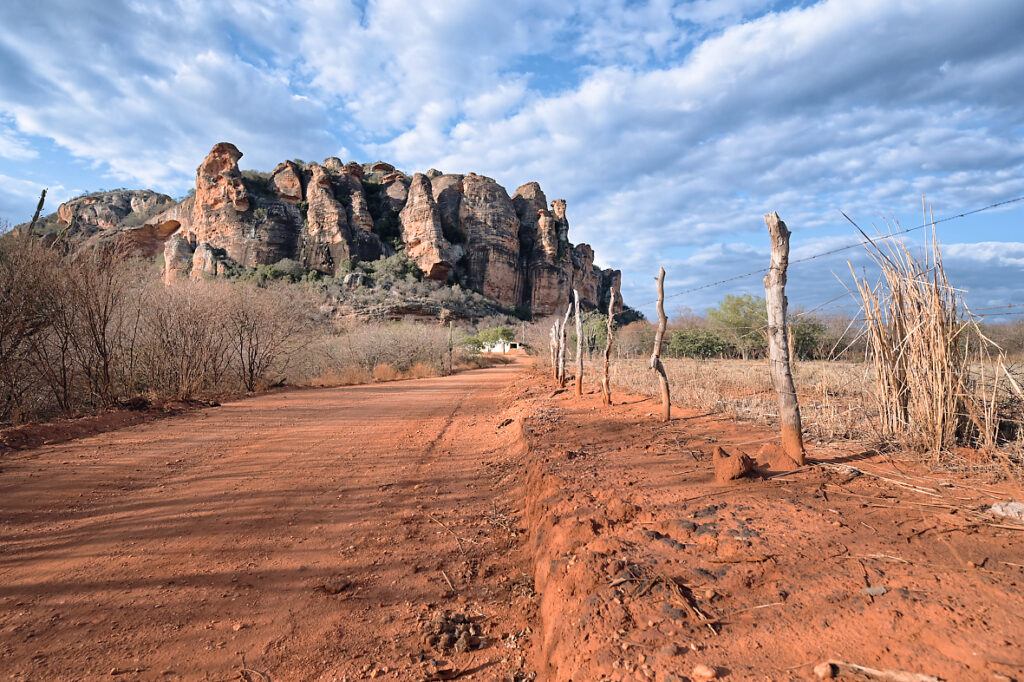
column 554, row 350
column 666, row 407
column 579, row 344
column 562, row 337
column 606, row 384
column 778, row 344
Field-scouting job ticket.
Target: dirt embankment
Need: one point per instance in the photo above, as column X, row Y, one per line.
column 647, row 568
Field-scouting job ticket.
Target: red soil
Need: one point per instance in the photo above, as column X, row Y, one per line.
column 343, row 534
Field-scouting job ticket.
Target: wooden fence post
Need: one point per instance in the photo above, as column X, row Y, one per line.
column 666, row 405
column 554, row 350
column 778, row 342
column 451, row 346
column 606, row 385
column 579, row 345
column 562, row 338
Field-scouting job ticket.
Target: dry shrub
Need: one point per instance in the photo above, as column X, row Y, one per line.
column 421, row 370
column 398, row 344
column 385, row 372
column 940, row 382
column 351, row 376
column 185, row 351
column 91, row 330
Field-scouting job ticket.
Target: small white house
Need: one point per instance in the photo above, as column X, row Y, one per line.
column 503, row 347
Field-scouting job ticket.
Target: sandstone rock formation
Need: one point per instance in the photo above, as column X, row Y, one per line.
column 112, row 210
column 177, row 257
column 204, row 262
column 328, row 236
column 461, row 229
column 421, row 231
column 286, row 182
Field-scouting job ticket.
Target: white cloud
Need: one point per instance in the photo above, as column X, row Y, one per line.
column 13, row 146
column 669, row 126
column 144, row 91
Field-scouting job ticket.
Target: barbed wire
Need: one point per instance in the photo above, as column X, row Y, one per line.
column 840, row 249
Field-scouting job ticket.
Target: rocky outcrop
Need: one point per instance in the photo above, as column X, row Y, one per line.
column 286, row 182
column 546, row 284
column 461, row 229
column 112, row 210
column 488, row 219
column 328, row 236
column 177, row 258
column 204, row 262
column 425, row 244
column 221, row 199
column 586, row 279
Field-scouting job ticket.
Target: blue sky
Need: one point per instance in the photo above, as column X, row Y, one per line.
column 670, row 127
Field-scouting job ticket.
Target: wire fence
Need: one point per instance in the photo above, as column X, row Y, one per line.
column 846, row 247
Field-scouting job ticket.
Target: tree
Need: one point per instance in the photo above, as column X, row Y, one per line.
column 495, row 335
column 809, row 338
column 696, row 343
column 742, row 321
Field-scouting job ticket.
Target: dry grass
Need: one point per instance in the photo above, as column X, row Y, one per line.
column 941, row 384
column 836, row 399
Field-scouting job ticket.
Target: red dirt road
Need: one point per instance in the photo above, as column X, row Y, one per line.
column 312, row 534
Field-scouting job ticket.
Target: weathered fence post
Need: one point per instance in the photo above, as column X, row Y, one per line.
column 554, row 350
column 579, row 344
column 451, row 345
column 778, row 342
column 562, row 338
column 666, row 405
column 606, row 384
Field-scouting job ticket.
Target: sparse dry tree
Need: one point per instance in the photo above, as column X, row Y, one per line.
column 659, row 336
column 25, row 268
column 266, row 328
column 102, row 285
column 187, row 350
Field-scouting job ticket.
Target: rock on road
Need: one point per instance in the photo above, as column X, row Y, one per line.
column 305, row 535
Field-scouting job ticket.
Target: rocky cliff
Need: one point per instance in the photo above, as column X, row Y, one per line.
column 458, row 229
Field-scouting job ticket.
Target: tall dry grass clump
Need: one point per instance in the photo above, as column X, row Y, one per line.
column 938, row 377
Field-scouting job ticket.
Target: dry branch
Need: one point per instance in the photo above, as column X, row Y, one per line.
column 838, row 669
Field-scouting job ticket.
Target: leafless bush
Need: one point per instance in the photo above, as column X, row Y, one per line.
column 186, row 349
column 25, row 270
column 399, row 345
column 265, row 328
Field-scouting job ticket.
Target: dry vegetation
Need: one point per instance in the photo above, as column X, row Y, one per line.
column 100, row 330
column 914, row 370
